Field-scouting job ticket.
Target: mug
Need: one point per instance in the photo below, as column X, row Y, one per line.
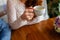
column 39, row 10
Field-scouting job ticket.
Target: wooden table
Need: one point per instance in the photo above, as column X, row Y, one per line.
column 40, row 31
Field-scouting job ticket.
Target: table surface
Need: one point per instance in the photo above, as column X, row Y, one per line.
column 40, row 31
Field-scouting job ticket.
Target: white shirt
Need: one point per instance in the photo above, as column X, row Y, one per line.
column 16, row 9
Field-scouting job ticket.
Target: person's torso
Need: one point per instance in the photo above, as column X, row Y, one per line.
column 20, row 8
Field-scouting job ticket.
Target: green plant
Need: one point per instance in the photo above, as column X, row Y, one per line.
column 59, row 14
column 53, row 8
column 59, row 1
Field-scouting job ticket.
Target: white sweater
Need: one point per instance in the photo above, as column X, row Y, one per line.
column 16, row 9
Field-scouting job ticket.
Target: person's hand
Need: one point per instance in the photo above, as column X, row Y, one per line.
column 28, row 14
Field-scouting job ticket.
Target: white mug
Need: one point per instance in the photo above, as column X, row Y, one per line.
column 39, row 10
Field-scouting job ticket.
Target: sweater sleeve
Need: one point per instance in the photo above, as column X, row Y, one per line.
column 11, row 11
column 14, row 22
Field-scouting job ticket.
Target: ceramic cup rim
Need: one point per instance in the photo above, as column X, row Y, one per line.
column 35, row 8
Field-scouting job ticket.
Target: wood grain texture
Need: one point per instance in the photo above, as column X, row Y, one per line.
column 40, row 31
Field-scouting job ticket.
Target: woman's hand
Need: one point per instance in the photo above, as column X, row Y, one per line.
column 28, row 14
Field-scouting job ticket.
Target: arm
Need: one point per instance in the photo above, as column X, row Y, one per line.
column 35, row 20
column 14, row 22
column 2, row 13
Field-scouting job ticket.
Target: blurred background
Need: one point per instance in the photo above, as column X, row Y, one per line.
column 59, row 5
column 2, row 7
column 53, row 8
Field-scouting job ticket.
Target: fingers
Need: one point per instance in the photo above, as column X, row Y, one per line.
column 30, row 9
column 28, row 14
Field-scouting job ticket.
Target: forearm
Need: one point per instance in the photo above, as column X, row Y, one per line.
column 36, row 20
column 2, row 13
column 18, row 23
